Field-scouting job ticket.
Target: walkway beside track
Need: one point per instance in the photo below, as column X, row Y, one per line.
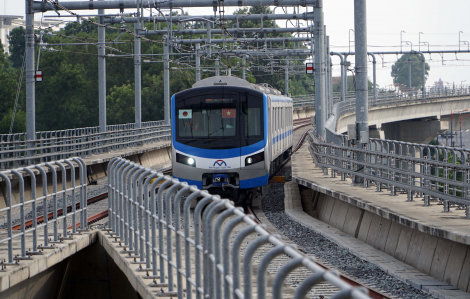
column 423, row 240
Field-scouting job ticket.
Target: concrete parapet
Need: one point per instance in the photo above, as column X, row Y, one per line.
column 399, row 239
column 436, row 256
column 447, row 261
column 36, row 269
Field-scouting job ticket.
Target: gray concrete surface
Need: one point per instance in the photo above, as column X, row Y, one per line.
column 424, row 237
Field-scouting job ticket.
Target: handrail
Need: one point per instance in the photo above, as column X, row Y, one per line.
column 210, row 264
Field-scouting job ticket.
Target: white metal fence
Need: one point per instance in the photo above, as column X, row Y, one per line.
column 37, row 201
column 148, row 223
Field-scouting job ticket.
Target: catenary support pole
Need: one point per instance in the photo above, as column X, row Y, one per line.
column 209, row 37
column 286, row 78
column 374, row 77
column 345, row 77
column 409, row 73
column 319, row 68
column 198, row 63
column 166, row 80
column 329, row 77
column 30, row 78
column 362, row 108
column 137, row 77
column 342, row 73
column 423, row 73
column 217, row 67
column 102, row 74
column 244, row 67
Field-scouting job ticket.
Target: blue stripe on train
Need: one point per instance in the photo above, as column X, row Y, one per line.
column 282, row 136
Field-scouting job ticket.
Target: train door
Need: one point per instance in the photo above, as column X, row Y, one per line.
column 252, row 132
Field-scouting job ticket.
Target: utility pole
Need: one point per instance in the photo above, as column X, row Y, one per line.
column 30, row 78
column 319, row 48
column 102, row 74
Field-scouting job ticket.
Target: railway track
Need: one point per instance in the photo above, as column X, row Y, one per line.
column 92, row 219
column 298, row 123
column 320, row 291
column 327, row 290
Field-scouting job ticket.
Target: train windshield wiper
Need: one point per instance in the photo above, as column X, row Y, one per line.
column 189, row 141
column 210, row 140
column 221, row 128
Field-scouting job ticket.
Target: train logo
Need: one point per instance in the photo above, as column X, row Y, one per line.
column 220, row 163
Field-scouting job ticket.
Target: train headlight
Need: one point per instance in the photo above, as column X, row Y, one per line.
column 185, row 160
column 254, row 159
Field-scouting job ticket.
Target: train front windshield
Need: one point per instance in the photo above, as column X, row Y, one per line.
column 219, row 122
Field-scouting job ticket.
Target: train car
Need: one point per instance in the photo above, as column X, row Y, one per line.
column 228, row 135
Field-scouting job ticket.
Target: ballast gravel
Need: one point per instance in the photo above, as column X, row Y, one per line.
column 323, row 249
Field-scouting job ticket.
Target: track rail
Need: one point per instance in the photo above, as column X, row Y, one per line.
column 61, row 211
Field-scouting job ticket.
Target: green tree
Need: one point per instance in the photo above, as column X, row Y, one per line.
column 400, row 72
column 17, row 46
column 9, row 82
column 66, row 99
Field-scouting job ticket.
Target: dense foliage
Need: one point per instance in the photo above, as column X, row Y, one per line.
column 68, row 96
column 400, row 72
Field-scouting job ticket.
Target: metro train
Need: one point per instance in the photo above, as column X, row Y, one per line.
column 228, row 135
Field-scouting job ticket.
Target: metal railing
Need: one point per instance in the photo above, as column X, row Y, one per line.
column 16, row 151
column 38, row 207
column 386, row 98
column 149, row 223
column 433, row 172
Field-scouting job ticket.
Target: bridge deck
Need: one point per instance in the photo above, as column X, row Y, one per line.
column 412, row 233
column 431, row 219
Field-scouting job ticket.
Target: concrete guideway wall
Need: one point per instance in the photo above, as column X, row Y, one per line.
column 303, row 112
column 388, row 114
column 443, row 259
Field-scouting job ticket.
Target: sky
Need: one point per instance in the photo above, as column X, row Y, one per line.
column 439, row 21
